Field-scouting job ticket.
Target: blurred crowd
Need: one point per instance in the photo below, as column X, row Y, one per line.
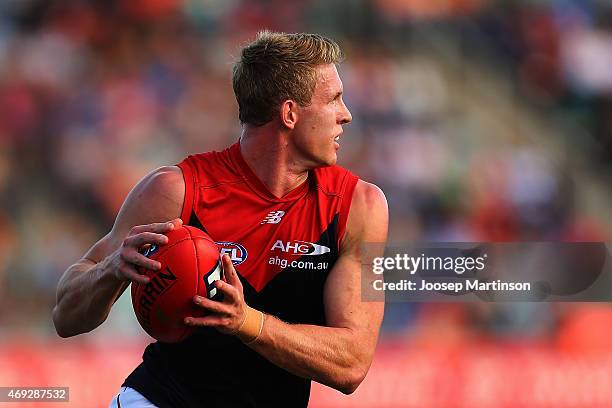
column 94, row 95
column 559, row 53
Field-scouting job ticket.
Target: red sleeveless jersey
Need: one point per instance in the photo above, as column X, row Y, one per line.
column 283, row 250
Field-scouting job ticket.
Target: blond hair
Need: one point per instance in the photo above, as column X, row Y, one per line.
column 276, row 67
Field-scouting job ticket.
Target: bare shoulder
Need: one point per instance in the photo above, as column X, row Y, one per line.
column 368, row 217
column 164, row 182
column 368, row 197
column 157, row 197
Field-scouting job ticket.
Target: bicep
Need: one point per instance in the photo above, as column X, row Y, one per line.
column 367, row 224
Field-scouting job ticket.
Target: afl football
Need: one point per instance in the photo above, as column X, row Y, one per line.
column 190, row 264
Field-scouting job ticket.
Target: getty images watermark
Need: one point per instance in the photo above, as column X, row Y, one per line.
column 458, row 265
column 534, row 271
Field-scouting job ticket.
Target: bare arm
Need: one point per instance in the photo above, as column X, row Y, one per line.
column 339, row 355
column 89, row 288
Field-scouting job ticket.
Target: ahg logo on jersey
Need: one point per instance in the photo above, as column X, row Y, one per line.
column 273, row 217
column 300, row 248
column 237, row 253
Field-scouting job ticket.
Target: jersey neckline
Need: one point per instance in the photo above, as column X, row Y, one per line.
column 257, row 185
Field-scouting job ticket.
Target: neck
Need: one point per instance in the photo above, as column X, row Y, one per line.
column 267, row 153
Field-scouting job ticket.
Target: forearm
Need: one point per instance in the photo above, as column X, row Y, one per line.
column 338, row 355
column 85, row 296
column 333, row 356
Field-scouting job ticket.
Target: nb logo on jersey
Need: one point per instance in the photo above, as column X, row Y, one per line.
column 300, row 248
column 273, row 217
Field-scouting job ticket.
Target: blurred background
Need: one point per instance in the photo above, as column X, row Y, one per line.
column 482, row 120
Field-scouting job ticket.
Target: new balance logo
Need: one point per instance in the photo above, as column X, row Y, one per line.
column 273, row 217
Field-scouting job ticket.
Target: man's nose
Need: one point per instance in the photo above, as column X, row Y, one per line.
column 346, row 115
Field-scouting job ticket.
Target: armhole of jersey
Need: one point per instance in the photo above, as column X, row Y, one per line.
column 348, row 188
column 190, row 185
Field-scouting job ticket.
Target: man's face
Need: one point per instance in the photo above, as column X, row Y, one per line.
column 316, row 135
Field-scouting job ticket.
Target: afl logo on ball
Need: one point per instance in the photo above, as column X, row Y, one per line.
column 237, row 253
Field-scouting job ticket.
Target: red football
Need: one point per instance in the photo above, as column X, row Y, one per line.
column 190, row 264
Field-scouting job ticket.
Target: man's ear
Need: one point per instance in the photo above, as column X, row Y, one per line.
column 289, row 113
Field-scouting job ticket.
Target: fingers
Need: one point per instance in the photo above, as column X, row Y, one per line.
column 229, row 272
column 231, row 298
column 138, row 240
column 142, row 235
column 132, row 256
column 130, row 273
column 231, row 294
column 208, row 321
column 158, row 227
column 177, row 222
column 127, row 259
column 226, row 316
column 231, row 286
column 213, row 306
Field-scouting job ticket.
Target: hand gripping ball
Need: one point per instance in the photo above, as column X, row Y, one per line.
column 190, row 263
